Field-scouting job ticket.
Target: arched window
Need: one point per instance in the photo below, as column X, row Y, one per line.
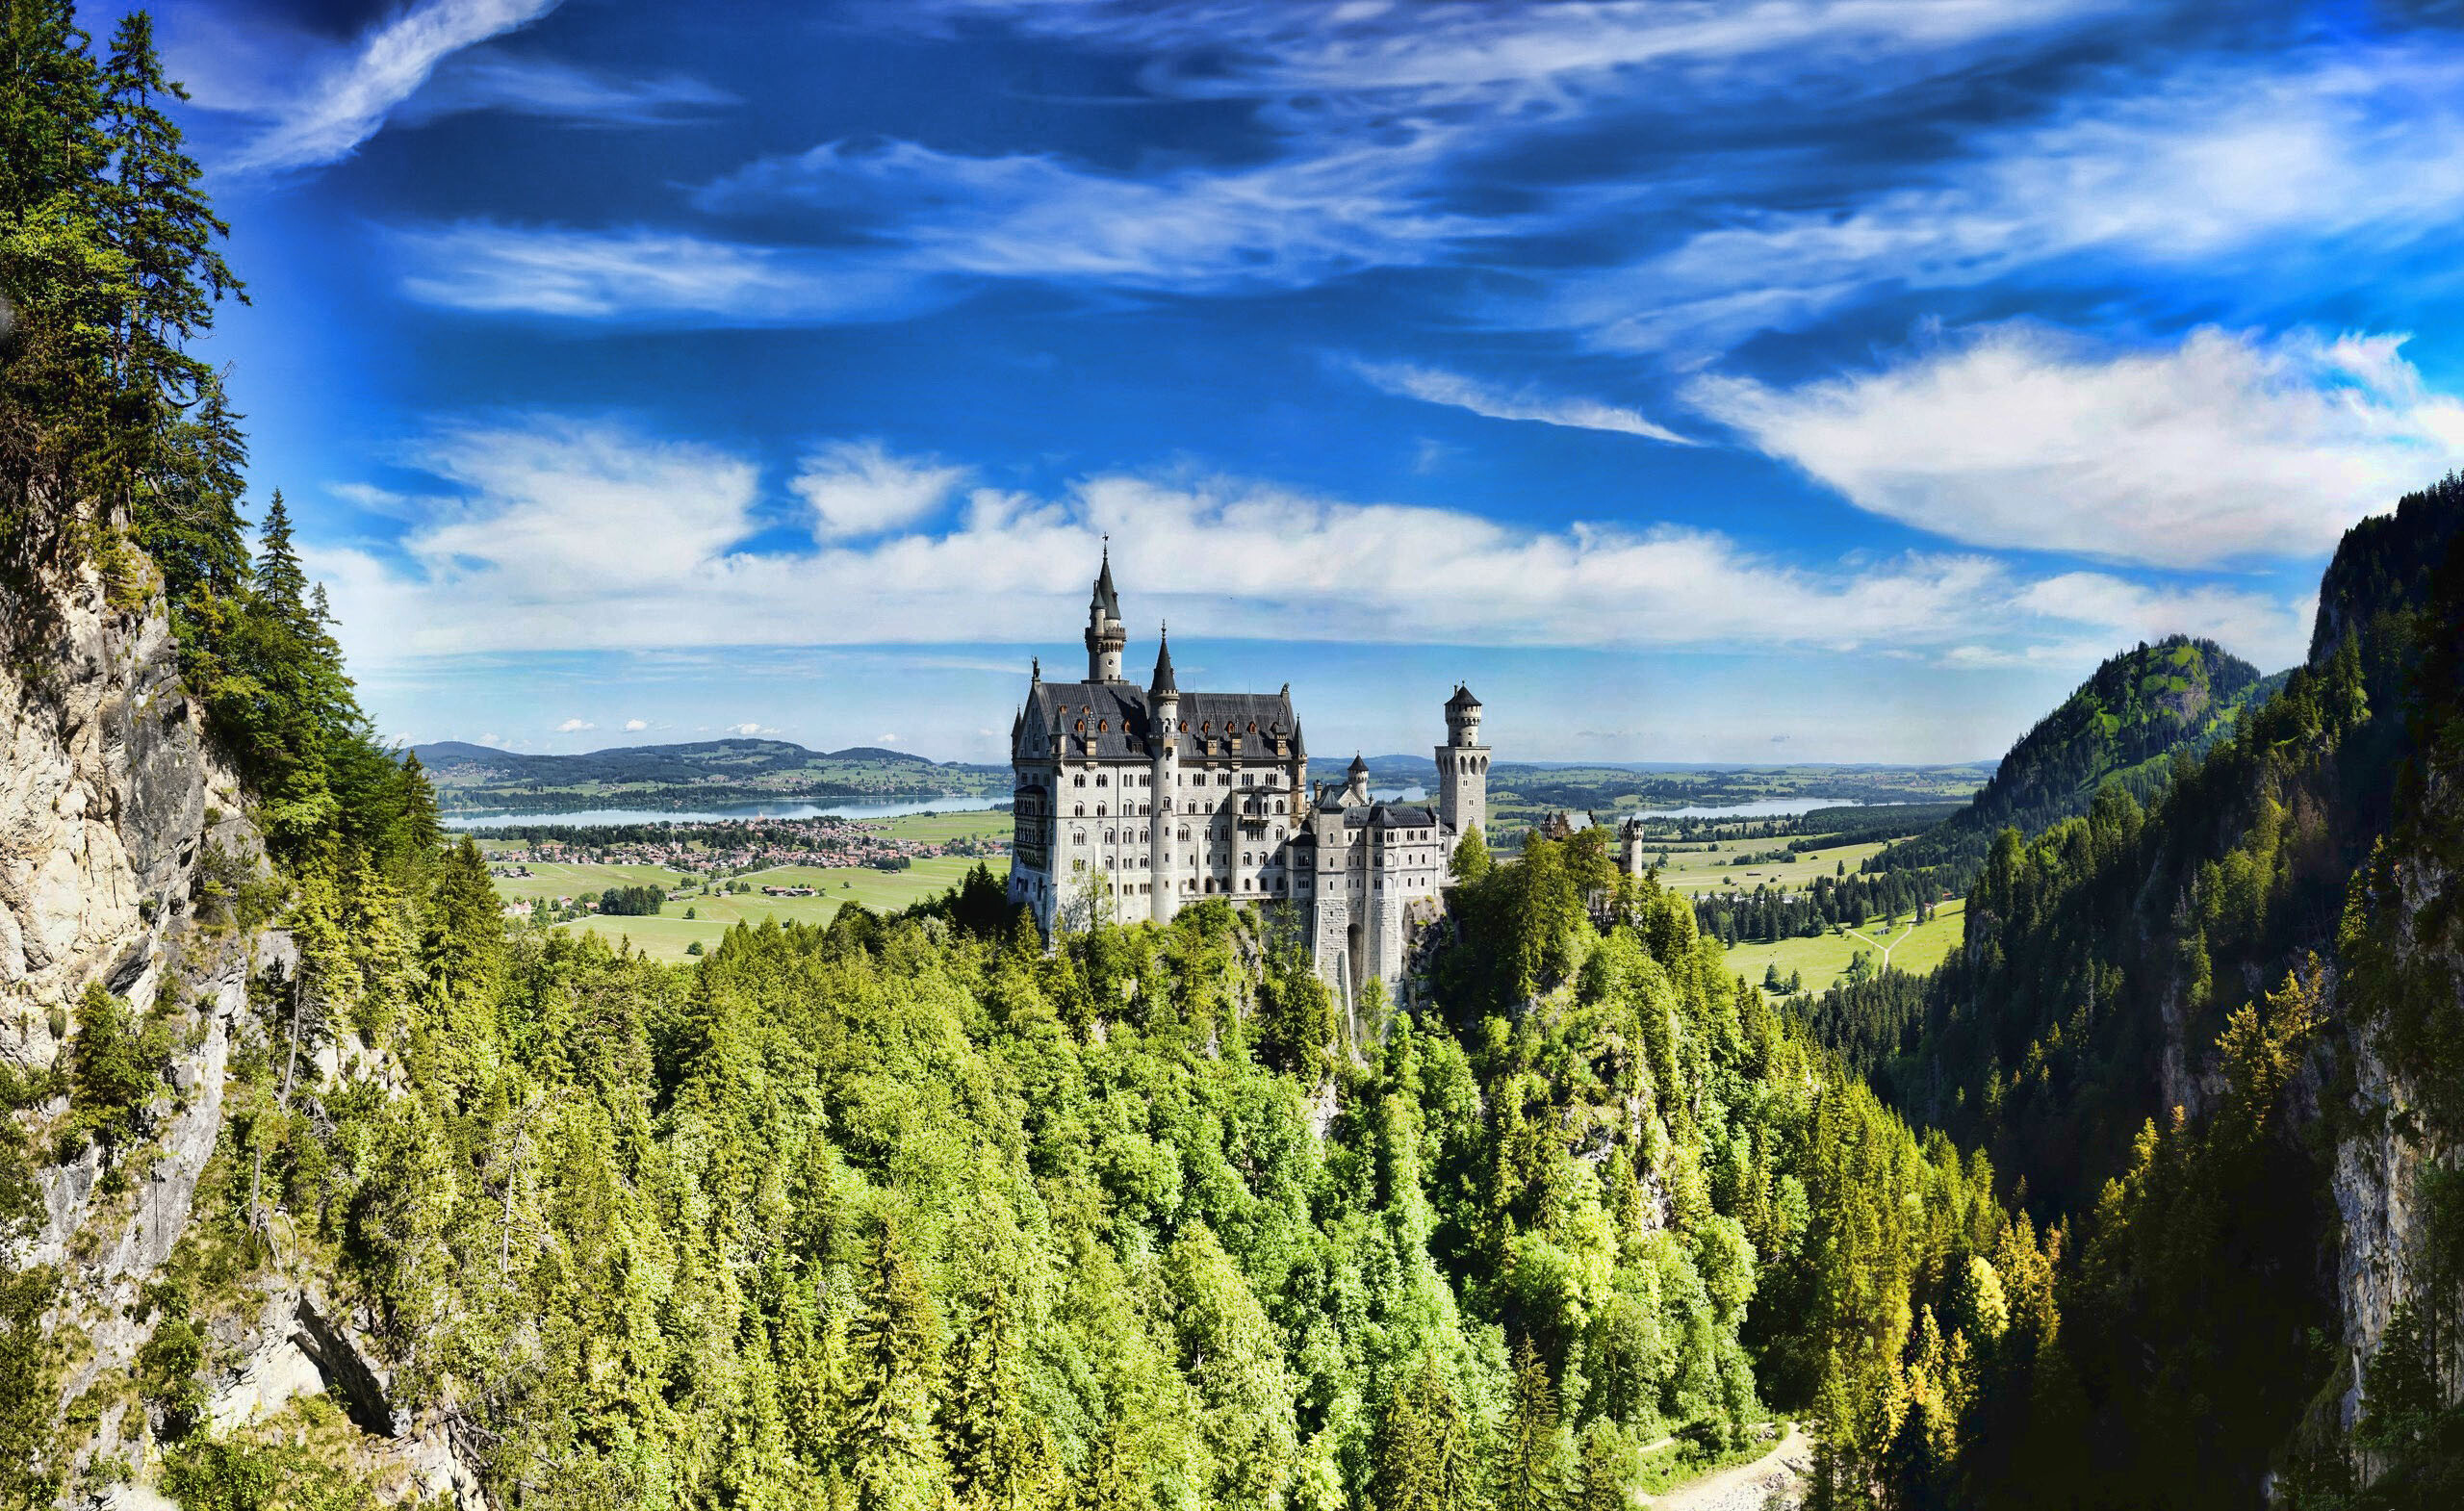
column 1099, row 811
column 1078, row 810
column 1278, row 804
column 1102, row 779
column 1078, row 781
column 1244, row 858
column 1077, row 836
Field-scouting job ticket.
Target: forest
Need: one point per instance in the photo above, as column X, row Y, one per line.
column 921, row 1210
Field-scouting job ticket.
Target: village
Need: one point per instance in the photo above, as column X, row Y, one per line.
column 529, row 861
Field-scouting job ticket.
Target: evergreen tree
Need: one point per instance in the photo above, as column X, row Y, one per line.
column 1527, row 1477
column 893, row 1455
column 998, row 1456
column 1421, row 1454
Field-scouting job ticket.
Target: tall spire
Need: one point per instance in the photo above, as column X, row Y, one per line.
column 1106, row 636
column 1162, row 684
column 1106, row 599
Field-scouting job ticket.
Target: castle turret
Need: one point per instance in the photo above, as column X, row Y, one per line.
column 1164, row 706
column 1107, row 637
column 1356, row 783
column 1463, row 769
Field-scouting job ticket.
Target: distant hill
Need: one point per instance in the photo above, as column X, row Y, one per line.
column 2122, row 724
column 475, row 777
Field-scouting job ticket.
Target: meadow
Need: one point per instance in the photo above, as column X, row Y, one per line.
column 1722, row 870
column 1821, row 958
column 667, row 935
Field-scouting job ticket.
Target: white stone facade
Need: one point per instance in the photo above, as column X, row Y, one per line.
column 1135, row 802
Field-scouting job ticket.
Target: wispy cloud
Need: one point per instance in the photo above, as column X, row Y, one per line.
column 348, row 101
column 1434, row 386
column 589, row 537
column 2201, row 169
column 575, row 726
column 650, row 276
column 562, row 91
column 1247, row 47
column 2225, row 445
column 1332, row 208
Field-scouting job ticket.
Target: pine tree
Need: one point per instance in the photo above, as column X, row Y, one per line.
column 1421, row 1453
column 999, row 1456
column 893, row 1456
column 1528, row 1448
column 1603, row 1483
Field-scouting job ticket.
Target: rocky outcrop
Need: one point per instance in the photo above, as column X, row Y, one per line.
column 113, row 812
column 105, row 789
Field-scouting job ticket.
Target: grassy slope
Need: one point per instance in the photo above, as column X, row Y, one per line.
column 665, row 936
column 1823, row 958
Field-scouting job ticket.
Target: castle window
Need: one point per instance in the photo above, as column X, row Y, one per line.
column 1078, row 810
column 1278, row 804
column 1102, row 781
column 1111, row 838
column 1099, row 811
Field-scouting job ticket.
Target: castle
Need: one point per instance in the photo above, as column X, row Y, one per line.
column 1135, row 802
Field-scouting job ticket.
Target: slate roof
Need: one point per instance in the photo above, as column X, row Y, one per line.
column 1116, row 717
column 1462, row 697
column 1390, row 815
column 1105, row 597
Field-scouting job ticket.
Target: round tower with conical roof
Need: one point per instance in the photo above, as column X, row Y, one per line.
column 1107, row 637
column 1462, row 769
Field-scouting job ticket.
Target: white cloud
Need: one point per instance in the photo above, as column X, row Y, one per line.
column 1434, row 386
column 636, row 726
column 2222, row 447
column 650, row 275
column 1339, row 205
column 490, row 738
column 856, row 488
column 587, row 537
column 750, row 728
column 2237, row 165
column 1239, row 48
column 348, row 101
column 575, row 726
column 534, row 87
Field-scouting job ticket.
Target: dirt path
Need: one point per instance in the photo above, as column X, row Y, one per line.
column 1894, row 944
column 1744, row 1487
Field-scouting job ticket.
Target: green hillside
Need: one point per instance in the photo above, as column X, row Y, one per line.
column 2122, row 724
column 477, row 777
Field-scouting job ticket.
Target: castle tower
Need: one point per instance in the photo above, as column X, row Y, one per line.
column 1107, row 637
column 1463, row 769
column 1164, row 703
column 1356, row 783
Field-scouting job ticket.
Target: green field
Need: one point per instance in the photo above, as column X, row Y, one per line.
column 1720, row 870
column 665, row 936
column 942, row 827
column 549, row 879
column 1919, row 949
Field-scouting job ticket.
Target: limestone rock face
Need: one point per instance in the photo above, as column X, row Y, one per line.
column 113, row 810
column 105, row 784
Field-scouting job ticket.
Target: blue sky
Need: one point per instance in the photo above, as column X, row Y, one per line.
column 1775, row 379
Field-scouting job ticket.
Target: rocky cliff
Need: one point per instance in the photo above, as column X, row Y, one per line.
column 127, row 861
